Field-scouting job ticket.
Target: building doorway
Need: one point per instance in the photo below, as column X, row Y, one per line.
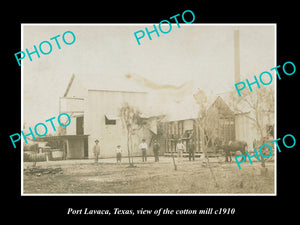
column 79, row 125
column 85, row 148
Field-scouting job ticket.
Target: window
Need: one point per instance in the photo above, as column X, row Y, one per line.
column 270, row 130
column 79, row 125
column 110, row 120
column 180, row 128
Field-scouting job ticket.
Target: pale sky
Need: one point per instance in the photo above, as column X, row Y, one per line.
column 202, row 54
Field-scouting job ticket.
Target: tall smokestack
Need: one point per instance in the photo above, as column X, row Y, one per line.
column 237, row 76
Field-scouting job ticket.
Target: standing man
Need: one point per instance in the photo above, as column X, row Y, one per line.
column 180, row 148
column 156, row 147
column 192, row 150
column 119, row 154
column 143, row 146
column 96, row 150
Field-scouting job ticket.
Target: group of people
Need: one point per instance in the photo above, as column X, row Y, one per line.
column 144, row 147
column 96, row 150
column 180, row 148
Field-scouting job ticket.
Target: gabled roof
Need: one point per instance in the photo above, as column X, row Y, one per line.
column 221, row 106
column 241, row 107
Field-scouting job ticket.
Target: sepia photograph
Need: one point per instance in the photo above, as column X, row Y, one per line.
column 188, row 112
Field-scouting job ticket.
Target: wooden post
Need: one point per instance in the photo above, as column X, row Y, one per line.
column 175, row 166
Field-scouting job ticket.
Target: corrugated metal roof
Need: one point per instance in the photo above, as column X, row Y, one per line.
column 117, row 83
column 187, row 109
column 176, row 103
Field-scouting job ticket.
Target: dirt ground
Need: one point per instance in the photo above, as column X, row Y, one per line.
column 106, row 177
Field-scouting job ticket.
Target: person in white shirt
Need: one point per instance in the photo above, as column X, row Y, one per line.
column 119, row 153
column 180, row 148
column 143, row 146
column 96, row 150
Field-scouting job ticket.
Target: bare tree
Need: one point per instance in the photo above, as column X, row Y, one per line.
column 207, row 121
column 260, row 104
column 132, row 122
column 260, row 109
